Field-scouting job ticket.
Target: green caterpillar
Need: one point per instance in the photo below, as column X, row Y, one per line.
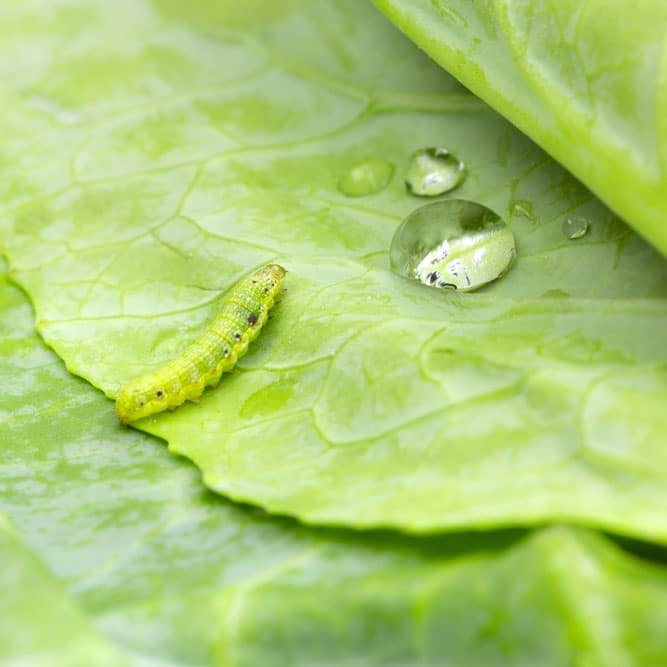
column 244, row 312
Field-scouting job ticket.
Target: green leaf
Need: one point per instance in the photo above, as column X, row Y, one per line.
column 560, row 597
column 150, row 568
column 160, row 154
column 586, row 81
column 39, row 624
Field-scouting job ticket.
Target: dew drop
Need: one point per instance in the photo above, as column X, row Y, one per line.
column 575, row 228
column 555, row 294
column 522, row 208
column 455, row 244
column 366, row 177
column 434, row 171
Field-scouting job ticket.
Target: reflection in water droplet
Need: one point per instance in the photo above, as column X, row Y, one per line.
column 434, row 171
column 522, row 208
column 366, row 177
column 454, row 243
column 575, row 228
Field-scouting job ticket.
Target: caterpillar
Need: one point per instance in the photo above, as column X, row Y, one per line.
column 244, row 312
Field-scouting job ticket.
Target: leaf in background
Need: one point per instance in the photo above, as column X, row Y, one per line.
column 160, row 151
column 39, row 624
column 156, row 570
column 587, row 81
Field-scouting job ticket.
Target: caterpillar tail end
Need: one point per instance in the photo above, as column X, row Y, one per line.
column 132, row 403
column 123, row 417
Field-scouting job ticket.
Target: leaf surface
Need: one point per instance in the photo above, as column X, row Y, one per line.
column 39, row 624
column 163, row 152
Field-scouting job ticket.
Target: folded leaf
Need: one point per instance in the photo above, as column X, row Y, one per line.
column 586, row 81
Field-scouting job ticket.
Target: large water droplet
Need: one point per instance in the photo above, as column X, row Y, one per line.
column 434, row 171
column 366, row 177
column 575, row 228
column 454, row 243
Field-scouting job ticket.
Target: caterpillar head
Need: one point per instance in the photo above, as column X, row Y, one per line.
column 270, row 276
column 139, row 399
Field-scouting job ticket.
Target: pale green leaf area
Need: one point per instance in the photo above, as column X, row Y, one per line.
column 157, row 152
column 586, row 80
column 120, row 556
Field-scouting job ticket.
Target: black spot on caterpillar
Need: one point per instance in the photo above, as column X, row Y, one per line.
column 244, row 312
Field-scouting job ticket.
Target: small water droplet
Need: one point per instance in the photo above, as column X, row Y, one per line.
column 454, row 243
column 555, row 294
column 434, row 171
column 366, row 177
column 522, row 208
column 575, row 228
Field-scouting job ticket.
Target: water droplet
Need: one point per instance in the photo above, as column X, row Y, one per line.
column 555, row 294
column 575, row 228
column 434, row 171
column 453, row 243
column 522, row 208
column 366, row 177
